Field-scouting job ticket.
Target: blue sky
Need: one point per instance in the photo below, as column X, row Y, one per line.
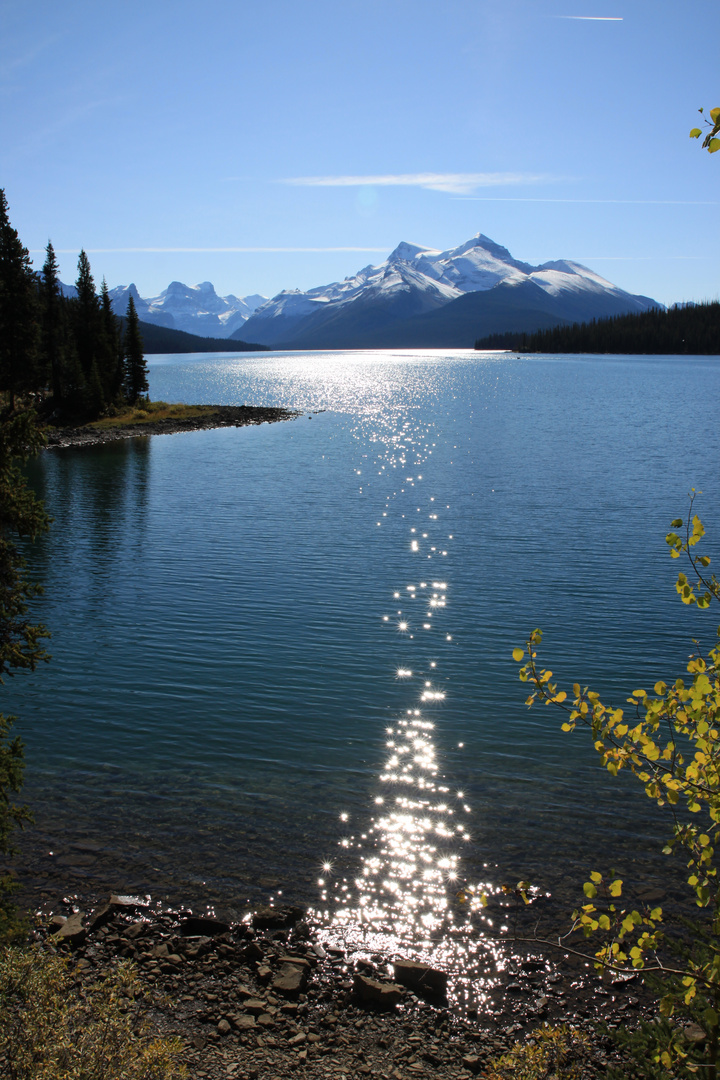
column 287, row 144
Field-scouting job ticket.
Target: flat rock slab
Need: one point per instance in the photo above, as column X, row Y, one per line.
column 421, row 978
column 276, row 918
column 290, row 980
column 373, row 992
column 197, row 926
column 72, row 930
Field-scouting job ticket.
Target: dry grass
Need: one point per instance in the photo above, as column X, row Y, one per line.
column 149, row 412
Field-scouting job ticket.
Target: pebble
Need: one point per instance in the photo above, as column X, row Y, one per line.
column 224, row 992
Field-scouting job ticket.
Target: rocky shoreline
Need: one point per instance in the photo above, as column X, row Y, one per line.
column 273, row 995
column 220, row 416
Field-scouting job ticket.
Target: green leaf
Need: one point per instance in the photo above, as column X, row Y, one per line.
column 710, row 1017
column 589, row 890
column 677, row 523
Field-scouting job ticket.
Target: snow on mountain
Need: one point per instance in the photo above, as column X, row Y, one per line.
column 414, row 281
column 196, row 309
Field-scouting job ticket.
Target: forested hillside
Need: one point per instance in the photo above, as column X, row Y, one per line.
column 163, row 339
column 67, row 357
column 70, row 357
column 692, row 330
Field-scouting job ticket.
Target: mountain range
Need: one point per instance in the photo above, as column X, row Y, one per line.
column 423, row 297
column 417, row 297
column 194, row 309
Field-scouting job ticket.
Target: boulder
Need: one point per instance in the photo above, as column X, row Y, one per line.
column 243, row 1022
column 291, row 979
column 373, row 992
column 420, row 978
column 127, row 903
column 276, row 918
column 256, row 1006
column 136, row 930
column 196, row 926
column 72, row 930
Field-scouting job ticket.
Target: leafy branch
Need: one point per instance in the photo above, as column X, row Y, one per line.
column 710, row 143
column 670, row 740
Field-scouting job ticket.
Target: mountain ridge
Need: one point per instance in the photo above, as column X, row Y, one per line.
column 419, row 297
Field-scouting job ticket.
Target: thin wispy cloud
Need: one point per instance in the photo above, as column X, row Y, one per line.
column 619, row 202
column 206, row 250
column 451, row 183
column 591, row 18
column 10, row 64
column 636, row 258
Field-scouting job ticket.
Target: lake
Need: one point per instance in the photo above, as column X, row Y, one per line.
column 282, row 655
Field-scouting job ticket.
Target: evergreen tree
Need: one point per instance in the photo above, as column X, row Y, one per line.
column 136, row 371
column 88, row 329
column 53, row 324
column 19, row 329
column 20, row 640
column 112, row 352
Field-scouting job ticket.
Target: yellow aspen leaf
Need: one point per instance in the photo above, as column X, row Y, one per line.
column 639, row 694
column 589, row 890
column 595, row 877
column 518, row 655
column 616, row 887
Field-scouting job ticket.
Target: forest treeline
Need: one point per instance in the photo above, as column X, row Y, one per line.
column 692, row 329
column 69, row 358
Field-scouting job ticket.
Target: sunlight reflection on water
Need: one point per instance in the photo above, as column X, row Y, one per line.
column 254, row 609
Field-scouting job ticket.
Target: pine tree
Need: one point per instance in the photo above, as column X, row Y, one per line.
column 112, row 365
column 87, row 337
column 52, row 324
column 19, row 329
column 136, row 371
column 21, row 514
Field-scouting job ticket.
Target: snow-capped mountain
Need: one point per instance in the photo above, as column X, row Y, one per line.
column 196, row 309
column 412, row 297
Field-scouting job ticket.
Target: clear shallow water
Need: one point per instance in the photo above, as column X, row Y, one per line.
column 231, row 610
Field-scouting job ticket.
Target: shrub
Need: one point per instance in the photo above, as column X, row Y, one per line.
column 52, row 1027
column 558, row 1052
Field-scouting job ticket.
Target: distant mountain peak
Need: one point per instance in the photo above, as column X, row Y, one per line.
column 406, row 252
column 404, row 299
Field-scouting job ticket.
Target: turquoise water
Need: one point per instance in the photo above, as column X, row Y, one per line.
column 229, row 650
